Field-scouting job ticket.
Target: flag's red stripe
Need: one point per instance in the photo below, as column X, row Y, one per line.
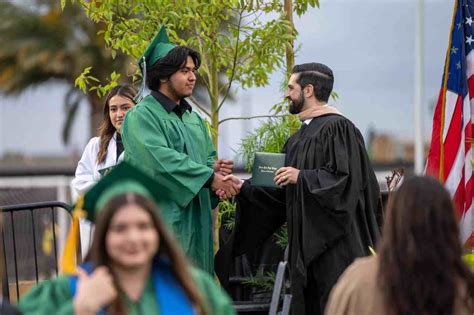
column 468, row 194
column 453, row 137
column 459, row 199
column 468, row 137
column 432, row 165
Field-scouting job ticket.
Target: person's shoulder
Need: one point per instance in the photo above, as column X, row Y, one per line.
column 148, row 105
column 195, row 115
column 47, row 296
column 338, row 124
column 93, row 142
column 216, row 299
column 200, row 275
column 204, row 281
column 361, row 270
column 335, row 119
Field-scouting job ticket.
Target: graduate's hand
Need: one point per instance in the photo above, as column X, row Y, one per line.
column 224, row 167
column 94, row 291
column 236, row 182
column 225, row 186
column 286, row 175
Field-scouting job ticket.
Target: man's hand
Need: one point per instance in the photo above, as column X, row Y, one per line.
column 236, row 183
column 94, row 291
column 286, row 175
column 225, row 187
column 224, row 167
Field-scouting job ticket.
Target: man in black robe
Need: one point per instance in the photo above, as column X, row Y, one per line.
column 329, row 196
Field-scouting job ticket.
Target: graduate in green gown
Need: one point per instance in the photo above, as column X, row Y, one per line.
column 134, row 267
column 168, row 140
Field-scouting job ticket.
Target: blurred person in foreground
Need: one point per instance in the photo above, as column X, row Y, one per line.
column 170, row 142
column 418, row 268
column 134, row 267
column 329, row 196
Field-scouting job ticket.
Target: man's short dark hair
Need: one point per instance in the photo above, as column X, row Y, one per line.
column 319, row 76
column 171, row 63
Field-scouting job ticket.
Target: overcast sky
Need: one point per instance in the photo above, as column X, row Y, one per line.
column 368, row 44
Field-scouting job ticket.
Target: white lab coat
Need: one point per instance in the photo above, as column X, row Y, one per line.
column 87, row 174
column 87, row 171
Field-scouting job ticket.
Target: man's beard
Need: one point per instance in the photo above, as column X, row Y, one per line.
column 296, row 105
column 175, row 92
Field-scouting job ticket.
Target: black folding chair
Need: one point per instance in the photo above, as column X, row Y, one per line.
column 26, row 229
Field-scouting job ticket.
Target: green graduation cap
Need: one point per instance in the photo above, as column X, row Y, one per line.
column 122, row 179
column 159, row 47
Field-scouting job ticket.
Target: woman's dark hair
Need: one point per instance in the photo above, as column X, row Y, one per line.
column 171, row 63
column 319, row 76
column 421, row 268
column 168, row 247
column 106, row 129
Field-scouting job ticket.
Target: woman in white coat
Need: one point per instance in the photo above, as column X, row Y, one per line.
column 106, row 150
column 102, row 152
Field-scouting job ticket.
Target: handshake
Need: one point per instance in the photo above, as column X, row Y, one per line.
column 224, row 184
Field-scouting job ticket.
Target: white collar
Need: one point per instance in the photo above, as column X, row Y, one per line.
column 307, row 121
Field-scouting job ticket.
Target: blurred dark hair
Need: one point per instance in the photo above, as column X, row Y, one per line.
column 421, row 267
column 319, row 76
column 106, row 129
column 168, row 247
column 171, row 63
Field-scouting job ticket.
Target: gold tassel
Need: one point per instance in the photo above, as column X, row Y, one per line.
column 68, row 260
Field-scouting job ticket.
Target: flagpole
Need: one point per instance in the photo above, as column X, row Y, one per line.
column 419, row 87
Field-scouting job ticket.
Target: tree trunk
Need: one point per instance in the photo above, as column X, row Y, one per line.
column 214, row 96
column 95, row 113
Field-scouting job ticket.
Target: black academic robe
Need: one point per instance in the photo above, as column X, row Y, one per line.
column 333, row 211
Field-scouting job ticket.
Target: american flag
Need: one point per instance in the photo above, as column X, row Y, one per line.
column 450, row 155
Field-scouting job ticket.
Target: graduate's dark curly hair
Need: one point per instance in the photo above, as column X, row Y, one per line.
column 421, row 268
column 171, row 63
column 168, row 248
column 319, row 76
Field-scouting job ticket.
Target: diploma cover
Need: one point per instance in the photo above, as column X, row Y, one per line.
column 264, row 167
column 106, row 170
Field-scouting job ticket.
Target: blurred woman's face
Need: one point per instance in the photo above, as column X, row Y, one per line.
column 118, row 107
column 132, row 239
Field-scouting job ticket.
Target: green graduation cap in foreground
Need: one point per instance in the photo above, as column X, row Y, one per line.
column 123, row 178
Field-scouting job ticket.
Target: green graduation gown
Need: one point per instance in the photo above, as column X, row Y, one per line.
column 179, row 155
column 54, row 297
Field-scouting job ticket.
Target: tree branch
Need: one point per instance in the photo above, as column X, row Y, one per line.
column 234, row 66
column 198, row 105
column 252, row 117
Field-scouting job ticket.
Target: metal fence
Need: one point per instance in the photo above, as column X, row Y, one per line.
column 32, row 239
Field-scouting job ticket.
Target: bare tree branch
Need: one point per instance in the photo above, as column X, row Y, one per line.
column 200, row 106
column 252, row 117
column 234, row 65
